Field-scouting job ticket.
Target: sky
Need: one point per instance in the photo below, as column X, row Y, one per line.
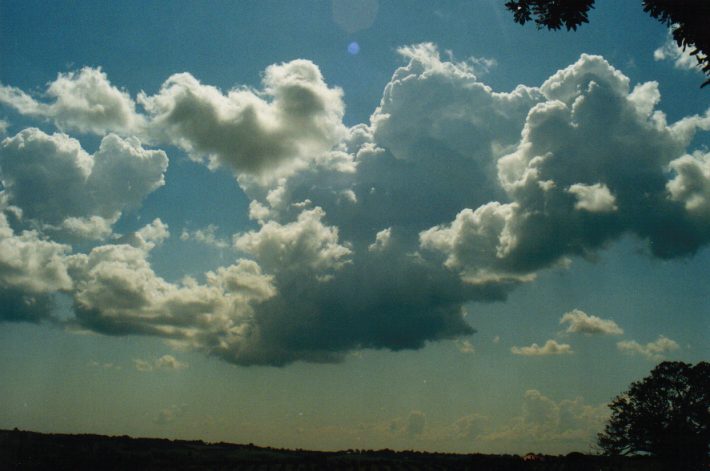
column 344, row 224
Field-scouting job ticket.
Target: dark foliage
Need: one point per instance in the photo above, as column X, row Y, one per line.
column 689, row 19
column 30, row 451
column 667, row 415
column 552, row 14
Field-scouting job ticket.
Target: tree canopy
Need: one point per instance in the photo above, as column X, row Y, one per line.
column 667, row 414
column 688, row 19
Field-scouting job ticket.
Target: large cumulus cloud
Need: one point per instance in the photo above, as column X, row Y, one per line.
column 31, row 269
column 592, row 164
column 84, row 101
column 293, row 119
column 370, row 237
column 57, row 185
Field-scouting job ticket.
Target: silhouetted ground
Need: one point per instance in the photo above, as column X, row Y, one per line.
column 21, row 450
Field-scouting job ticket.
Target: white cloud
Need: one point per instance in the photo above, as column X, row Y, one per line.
column 30, row 263
column 570, row 192
column 165, row 362
column 243, row 130
column 298, row 247
column 84, row 101
column 117, row 292
column 31, row 270
column 654, row 351
column 593, row 198
column 691, row 184
column 58, row 184
column 90, row 228
column 551, row 347
column 579, row 322
column 368, row 237
column 465, row 346
column 550, row 425
column 206, row 236
column 475, row 242
column 680, row 57
column 382, row 240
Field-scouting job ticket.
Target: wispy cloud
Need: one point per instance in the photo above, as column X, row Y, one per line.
column 681, row 58
column 655, row 350
column 166, row 362
column 206, row 236
column 170, row 414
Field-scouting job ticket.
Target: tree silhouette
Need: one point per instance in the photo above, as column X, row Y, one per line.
column 688, row 19
column 667, row 415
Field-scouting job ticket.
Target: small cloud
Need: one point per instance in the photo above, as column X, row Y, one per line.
column 169, row 362
column 382, row 241
column 482, row 65
column 206, row 236
column 3, row 127
column 551, row 347
column 545, row 423
column 655, row 350
column 465, row 346
column 166, row 362
column 682, row 59
column 582, row 323
column 170, row 414
column 142, row 365
column 496, row 339
column 595, row 198
column 104, row 366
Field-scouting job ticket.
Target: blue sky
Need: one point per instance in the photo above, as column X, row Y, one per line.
column 221, row 220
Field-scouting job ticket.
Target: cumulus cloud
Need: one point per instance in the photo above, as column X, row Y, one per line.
column 547, row 423
column 61, row 187
column 655, row 351
column 293, row 119
column 551, row 347
column 117, row 293
column 370, row 237
column 84, row 101
column 591, row 165
column 31, row 270
column 593, row 198
column 691, row 184
column 301, row 246
column 579, row 322
column 681, row 58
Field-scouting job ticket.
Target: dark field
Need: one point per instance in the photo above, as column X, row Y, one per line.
column 20, row 450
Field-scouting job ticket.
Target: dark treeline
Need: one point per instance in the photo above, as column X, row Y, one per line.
column 22, row 450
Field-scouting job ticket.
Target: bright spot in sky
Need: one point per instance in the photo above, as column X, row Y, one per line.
column 354, row 15
column 353, row 48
